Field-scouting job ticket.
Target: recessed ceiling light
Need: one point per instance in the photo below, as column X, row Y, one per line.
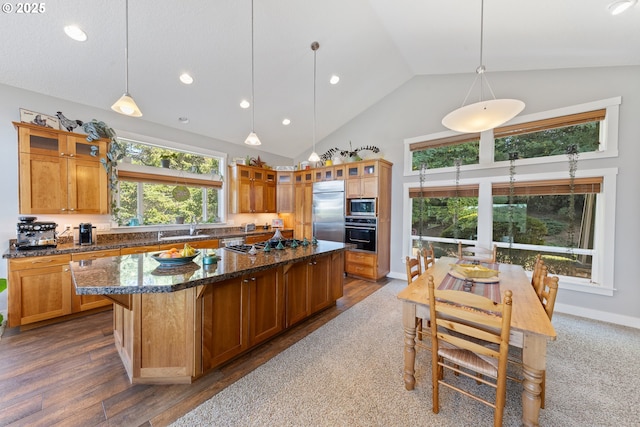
column 186, row 78
column 620, row 6
column 244, row 104
column 334, row 79
column 75, row 33
column 286, row 122
column 183, row 120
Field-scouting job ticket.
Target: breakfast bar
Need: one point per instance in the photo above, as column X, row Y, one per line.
column 175, row 323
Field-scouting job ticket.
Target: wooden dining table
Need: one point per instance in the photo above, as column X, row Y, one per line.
column 531, row 328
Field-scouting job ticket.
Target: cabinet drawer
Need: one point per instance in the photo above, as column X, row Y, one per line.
column 141, row 249
column 361, row 270
column 95, row 254
column 360, row 258
column 37, row 262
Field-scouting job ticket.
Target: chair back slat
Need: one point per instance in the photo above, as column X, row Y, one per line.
column 413, row 268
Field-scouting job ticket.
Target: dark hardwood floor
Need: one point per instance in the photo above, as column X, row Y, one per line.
column 69, row 374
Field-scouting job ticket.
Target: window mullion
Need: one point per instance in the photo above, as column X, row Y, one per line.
column 486, row 148
column 485, row 215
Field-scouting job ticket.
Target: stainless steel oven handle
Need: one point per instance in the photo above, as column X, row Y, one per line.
column 361, row 228
column 360, row 241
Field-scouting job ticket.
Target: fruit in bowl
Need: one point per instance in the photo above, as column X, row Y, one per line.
column 175, row 253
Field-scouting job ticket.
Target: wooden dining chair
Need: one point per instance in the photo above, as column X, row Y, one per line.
column 537, row 265
column 414, row 268
column 538, row 279
column 475, row 321
column 428, row 257
column 477, row 253
column 548, row 291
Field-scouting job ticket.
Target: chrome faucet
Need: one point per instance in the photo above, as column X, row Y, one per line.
column 193, row 227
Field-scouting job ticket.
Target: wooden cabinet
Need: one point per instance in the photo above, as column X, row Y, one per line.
column 361, row 264
column 87, row 302
column 285, row 194
column 252, row 190
column 266, row 305
column 144, row 249
column 204, row 244
column 240, row 313
column 39, row 289
column 224, row 321
column 58, row 174
column 303, row 223
column 312, row 286
column 362, row 179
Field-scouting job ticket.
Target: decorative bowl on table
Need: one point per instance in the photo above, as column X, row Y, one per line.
column 173, row 261
column 474, row 271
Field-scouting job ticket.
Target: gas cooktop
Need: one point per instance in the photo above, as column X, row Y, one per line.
column 273, row 243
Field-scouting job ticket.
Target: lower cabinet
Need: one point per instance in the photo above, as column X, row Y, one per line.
column 39, row 289
column 240, row 313
column 89, row 302
column 361, row 264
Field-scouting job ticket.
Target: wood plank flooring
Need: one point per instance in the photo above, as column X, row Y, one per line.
column 69, row 374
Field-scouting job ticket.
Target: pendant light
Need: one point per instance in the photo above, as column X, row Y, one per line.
column 485, row 114
column 252, row 139
column 126, row 105
column 314, row 156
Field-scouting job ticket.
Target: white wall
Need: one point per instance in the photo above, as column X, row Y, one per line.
column 417, row 108
column 11, row 99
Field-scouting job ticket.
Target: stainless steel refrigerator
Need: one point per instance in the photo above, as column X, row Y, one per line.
column 328, row 210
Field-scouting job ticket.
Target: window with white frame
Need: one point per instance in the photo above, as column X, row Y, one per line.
column 570, row 221
column 162, row 185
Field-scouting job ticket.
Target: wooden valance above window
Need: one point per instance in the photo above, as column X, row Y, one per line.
column 519, row 129
column 125, row 175
column 443, row 142
column 551, row 123
column 550, row 187
column 446, row 191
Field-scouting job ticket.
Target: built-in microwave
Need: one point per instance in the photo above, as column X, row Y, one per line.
column 362, row 207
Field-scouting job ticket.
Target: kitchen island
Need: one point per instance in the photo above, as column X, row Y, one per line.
column 175, row 324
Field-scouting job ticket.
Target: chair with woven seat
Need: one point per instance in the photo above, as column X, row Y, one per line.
column 478, row 348
column 428, row 256
column 477, row 253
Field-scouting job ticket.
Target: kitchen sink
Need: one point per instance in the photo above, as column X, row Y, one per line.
column 183, row 237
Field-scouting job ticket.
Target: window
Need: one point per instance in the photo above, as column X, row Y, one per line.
column 553, row 217
column 443, row 152
column 188, row 188
column 572, row 229
column 550, row 137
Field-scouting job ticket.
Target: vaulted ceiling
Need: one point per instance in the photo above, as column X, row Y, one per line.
column 373, row 45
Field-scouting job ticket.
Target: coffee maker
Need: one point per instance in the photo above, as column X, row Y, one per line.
column 85, row 234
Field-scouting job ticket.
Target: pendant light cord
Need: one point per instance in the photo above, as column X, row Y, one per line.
column 315, row 51
column 126, row 48
column 253, row 107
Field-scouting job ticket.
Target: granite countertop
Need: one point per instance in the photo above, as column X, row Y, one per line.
column 121, row 240
column 140, row 273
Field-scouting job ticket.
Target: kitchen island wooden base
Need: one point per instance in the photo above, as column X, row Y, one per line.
column 176, row 337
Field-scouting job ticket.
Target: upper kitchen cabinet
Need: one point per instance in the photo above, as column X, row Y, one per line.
column 363, row 178
column 252, row 190
column 58, row 174
column 285, row 192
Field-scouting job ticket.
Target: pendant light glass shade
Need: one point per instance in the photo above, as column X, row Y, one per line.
column 485, row 114
column 126, row 105
column 252, row 139
column 314, row 156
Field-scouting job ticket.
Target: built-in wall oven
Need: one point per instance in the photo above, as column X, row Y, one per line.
column 361, row 232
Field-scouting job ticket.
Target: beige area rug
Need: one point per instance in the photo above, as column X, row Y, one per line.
column 349, row 373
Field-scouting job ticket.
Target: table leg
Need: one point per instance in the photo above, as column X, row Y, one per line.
column 409, row 326
column 534, row 359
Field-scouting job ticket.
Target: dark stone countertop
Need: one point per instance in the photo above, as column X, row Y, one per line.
column 140, row 273
column 128, row 240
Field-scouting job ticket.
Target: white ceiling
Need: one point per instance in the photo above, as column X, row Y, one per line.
column 374, row 45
